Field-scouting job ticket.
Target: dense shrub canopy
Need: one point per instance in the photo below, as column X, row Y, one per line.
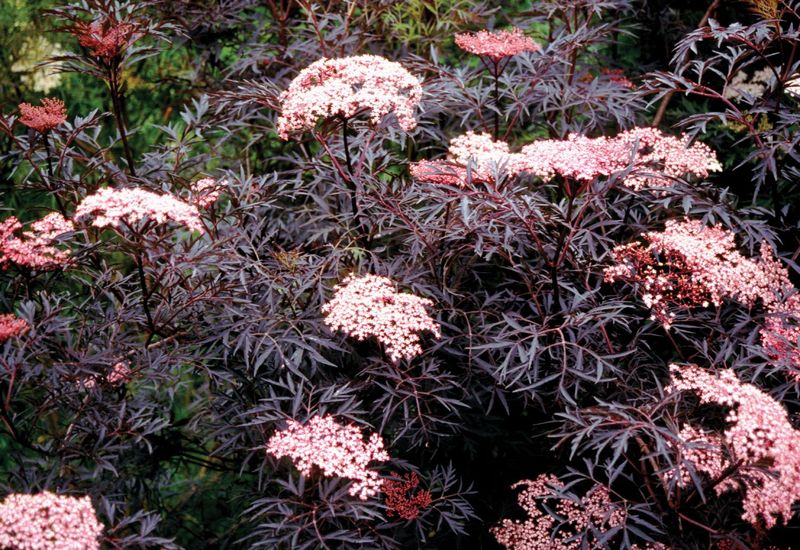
column 401, row 274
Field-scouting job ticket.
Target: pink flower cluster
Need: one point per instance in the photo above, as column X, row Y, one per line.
column 477, row 158
column 47, row 521
column 35, row 248
column 704, row 450
column 692, row 265
column 442, row 172
column 403, row 499
column 12, row 326
column 496, row 45
column 206, row 191
column 780, row 336
column 44, row 118
column 120, row 374
column 758, row 435
column 655, row 159
column 348, row 86
column 369, row 306
column 540, row 529
column 105, row 39
column 485, row 156
column 112, row 207
column 336, row 449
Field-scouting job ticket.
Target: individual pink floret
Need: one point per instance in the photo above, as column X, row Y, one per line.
column 35, row 248
column 758, row 434
column 112, row 207
column 44, row 118
column 692, row 265
column 346, row 87
column 498, row 44
column 12, row 326
column 780, row 336
column 540, row 530
column 336, row 449
column 47, row 521
column 368, row 306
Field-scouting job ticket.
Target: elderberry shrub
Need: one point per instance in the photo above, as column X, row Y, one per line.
column 451, row 274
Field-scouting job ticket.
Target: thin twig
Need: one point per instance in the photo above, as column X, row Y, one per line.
column 116, row 105
column 662, row 108
column 50, row 174
column 350, row 180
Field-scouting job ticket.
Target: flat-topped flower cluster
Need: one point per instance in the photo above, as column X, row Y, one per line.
column 653, row 158
column 105, row 38
column 346, row 87
column 111, row 207
column 368, row 306
column 12, row 326
column 403, row 498
column 690, row 264
column 47, row 521
column 336, row 449
column 50, row 114
column 538, row 530
column 35, row 248
column 496, row 45
column 758, row 436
